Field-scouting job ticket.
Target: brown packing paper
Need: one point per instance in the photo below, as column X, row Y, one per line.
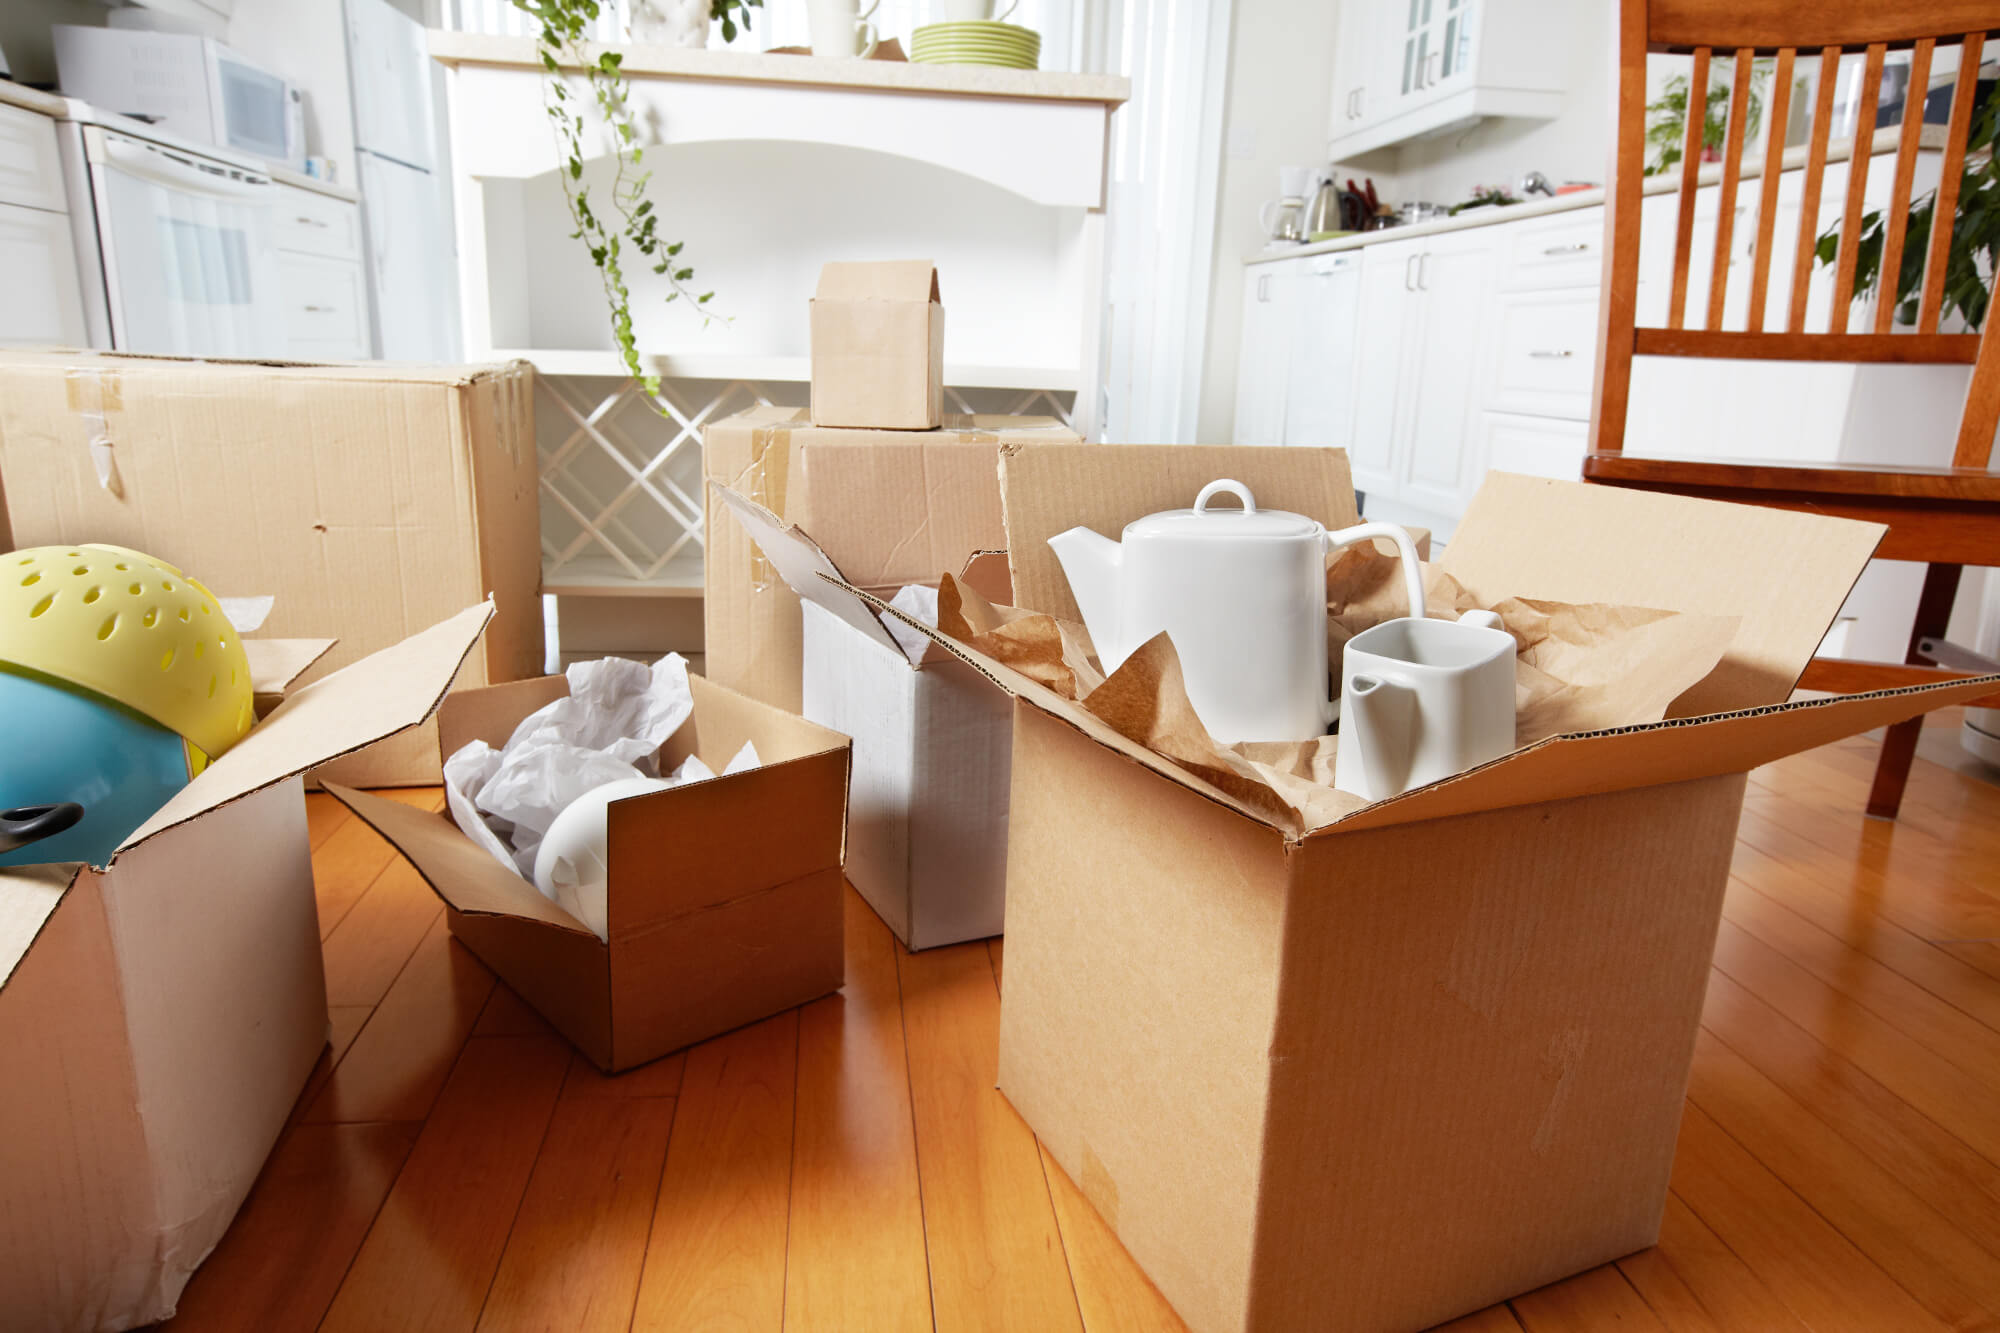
column 1578, row 669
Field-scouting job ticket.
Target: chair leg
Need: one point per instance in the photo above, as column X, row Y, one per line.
column 1899, row 746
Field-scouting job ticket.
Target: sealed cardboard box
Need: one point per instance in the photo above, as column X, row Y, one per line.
column 1387, row 1068
column 724, row 897
column 370, row 499
column 878, row 347
column 159, row 1015
column 892, row 507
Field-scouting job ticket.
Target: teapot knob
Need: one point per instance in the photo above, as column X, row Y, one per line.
column 1235, row 488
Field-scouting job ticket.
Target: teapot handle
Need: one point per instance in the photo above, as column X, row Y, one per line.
column 1235, row 488
column 1413, row 578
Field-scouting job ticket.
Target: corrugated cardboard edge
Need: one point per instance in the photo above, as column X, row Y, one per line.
column 119, row 363
column 798, row 558
column 453, row 638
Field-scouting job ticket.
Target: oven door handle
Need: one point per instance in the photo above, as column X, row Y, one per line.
column 181, row 173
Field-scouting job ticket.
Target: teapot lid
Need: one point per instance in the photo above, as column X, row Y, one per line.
column 1202, row 521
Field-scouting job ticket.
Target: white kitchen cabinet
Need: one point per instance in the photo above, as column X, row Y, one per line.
column 1388, row 280
column 1263, row 362
column 1536, row 446
column 1407, row 68
column 1544, row 353
column 320, row 279
column 30, row 170
column 43, row 304
column 1319, row 388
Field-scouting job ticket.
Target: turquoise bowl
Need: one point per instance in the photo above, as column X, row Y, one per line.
column 64, row 744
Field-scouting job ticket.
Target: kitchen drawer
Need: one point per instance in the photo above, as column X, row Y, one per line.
column 1537, row 446
column 314, row 224
column 326, row 307
column 1545, row 348
column 1566, row 250
column 42, row 303
column 30, row 171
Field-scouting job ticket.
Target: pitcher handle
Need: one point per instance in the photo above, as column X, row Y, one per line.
column 1406, row 550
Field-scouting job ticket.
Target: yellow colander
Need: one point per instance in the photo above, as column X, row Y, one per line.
column 133, row 629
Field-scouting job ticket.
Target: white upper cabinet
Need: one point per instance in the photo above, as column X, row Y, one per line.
column 1408, row 68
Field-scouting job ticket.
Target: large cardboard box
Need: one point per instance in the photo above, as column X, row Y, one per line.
column 371, row 499
column 724, row 898
column 892, row 507
column 158, row 1016
column 878, row 346
column 1397, row 1067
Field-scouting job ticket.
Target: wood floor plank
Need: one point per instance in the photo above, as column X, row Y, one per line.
column 1666, row 1293
column 1944, row 1029
column 343, row 868
column 289, row 1247
column 429, row 1259
column 716, row 1258
column 1112, row 1293
column 1728, row 1291
column 344, row 1023
column 995, row 1254
column 1951, row 1276
column 1493, row 1319
column 572, row 1261
column 1827, row 1282
column 323, row 816
column 377, row 936
column 1950, row 979
column 997, row 948
column 401, row 1058
column 656, row 1078
column 507, row 1015
column 1598, row 1299
column 1945, row 1093
column 855, row 1254
column 1963, row 1185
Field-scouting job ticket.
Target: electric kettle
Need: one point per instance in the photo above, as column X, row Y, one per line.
column 1241, row 592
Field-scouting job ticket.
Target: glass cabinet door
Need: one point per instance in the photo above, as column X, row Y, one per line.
column 1437, row 43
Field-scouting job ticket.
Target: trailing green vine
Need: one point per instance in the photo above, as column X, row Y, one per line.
column 628, row 226
column 1975, row 234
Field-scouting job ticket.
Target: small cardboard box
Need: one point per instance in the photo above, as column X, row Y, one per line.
column 878, row 347
column 159, row 1016
column 1431, row 1054
column 724, row 896
column 371, row 499
column 892, row 507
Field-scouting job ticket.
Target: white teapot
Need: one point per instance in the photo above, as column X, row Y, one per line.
column 1242, row 595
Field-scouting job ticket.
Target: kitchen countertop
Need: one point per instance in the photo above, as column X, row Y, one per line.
column 1931, row 139
column 464, row 48
column 298, row 180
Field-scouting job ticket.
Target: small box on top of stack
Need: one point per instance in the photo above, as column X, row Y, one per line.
column 1431, row 1049
column 889, row 504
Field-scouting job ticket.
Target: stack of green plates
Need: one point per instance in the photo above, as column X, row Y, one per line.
column 975, row 43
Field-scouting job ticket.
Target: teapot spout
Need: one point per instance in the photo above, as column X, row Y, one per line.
column 1094, row 564
column 1378, row 716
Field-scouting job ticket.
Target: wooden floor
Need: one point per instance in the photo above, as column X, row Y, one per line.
column 848, row 1166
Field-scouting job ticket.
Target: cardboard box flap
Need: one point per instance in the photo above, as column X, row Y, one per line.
column 358, row 705
column 276, row 663
column 1784, row 574
column 1046, row 489
column 458, row 870
column 84, row 364
column 890, row 280
column 1562, row 767
column 28, row 895
column 803, row 566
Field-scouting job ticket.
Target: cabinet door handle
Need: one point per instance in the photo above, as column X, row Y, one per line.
column 320, row 310
column 1263, row 286
column 1410, row 273
column 1435, row 60
column 305, row 221
column 1424, row 271
column 1361, row 101
column 1574, row 248
column 1551, row 354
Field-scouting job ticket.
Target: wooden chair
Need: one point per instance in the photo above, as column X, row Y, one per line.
column 1946, row 517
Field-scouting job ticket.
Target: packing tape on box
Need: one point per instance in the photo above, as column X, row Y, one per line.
column 767, row 481
column 93, row 395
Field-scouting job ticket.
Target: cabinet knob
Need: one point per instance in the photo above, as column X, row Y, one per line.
column 1549, row 354
column 304, row 221
column 1574, row 248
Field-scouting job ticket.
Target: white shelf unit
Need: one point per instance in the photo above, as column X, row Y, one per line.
column 766, row 167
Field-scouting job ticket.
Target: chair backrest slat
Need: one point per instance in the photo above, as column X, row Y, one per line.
column 1946, row 205
column 1767, row 199
column 1692, row 145
column 1890, row 272
column 1732, row 174
column 1858, row 162
column 1822, row 123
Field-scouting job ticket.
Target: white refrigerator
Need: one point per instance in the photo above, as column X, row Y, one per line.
column 402, row 176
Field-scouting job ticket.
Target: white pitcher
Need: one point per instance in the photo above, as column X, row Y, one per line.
column 1242, row 595
column 1421, row 700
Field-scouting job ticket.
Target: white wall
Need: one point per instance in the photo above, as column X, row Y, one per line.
column 24, row 34
column 1280, row 82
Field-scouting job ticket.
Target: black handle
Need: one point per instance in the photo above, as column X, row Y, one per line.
column 32, row 823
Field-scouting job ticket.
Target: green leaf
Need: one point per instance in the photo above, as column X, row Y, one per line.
column 675, row 248
column 683, row 274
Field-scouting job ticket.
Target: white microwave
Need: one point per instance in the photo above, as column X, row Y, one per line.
column 191, row 86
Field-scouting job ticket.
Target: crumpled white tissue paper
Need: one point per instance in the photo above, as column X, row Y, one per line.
column 610, row 727
column 918, row 602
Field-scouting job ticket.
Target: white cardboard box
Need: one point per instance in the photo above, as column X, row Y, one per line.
column 158, row 1016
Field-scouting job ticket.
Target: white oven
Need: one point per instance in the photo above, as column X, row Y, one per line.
column 186, row 259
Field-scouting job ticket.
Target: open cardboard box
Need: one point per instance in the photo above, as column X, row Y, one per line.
column 892, row 507
column 1433, row 1053
column 159, row 1015
column 724, row 898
